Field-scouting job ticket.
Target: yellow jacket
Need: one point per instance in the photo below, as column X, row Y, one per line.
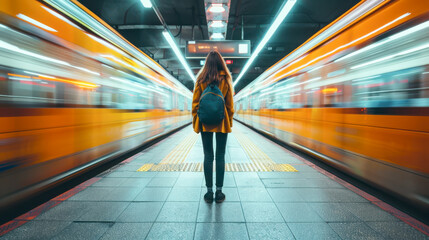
column 226, row 124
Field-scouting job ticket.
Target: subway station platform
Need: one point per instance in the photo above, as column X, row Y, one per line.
column 271, row 193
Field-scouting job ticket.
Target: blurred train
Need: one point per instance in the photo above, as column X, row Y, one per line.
column 355, row 95
column 74, row 94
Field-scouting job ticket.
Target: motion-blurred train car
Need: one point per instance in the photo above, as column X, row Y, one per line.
column 73, row 94
column 357, row 96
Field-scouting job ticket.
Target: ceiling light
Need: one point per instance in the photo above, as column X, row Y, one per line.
column 216, row 8
column 146, row 3
column 217, row 36
column 178, row 53
column 217, row 24
column 279, row 19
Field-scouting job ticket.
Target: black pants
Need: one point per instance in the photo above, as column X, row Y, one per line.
column 207, row 138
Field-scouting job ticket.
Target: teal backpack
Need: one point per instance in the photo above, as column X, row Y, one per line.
column 211, row 110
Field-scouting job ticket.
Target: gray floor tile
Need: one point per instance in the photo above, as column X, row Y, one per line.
column 261, row 212
column 162, row 182
column 135, row 182
column 140, row 212
column 397, row 230
column 191, row 175
column 122, row 194
column 127, row 174
column 153, row 194
column 80, row 230
column 220, row 231
column 109, row 182
column 369, row 212
column 355, row 231
column 189, row 181
column 65, row 211
column 178, row 212
column 317, row 175
column 184, row 194
column 329, row 195
column 326, row 183
column 249, row 194
column 103, row 211
column 224, row 212
column 304, row 168
column 285, row 195
column 168, row 174
column 333, row 212
column 92, row 194
column 269, row 231
column 128, row 167
column 279, row 175
column 127, row 231
column 249, row 182
column 298, row 212
column 316, row 231
column 300, row 183
column 37, row 230
column 172, row 231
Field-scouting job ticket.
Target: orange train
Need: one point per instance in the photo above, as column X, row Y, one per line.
column 356, row 95
column 74, row 94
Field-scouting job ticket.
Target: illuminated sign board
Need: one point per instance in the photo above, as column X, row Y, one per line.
column 227, row 48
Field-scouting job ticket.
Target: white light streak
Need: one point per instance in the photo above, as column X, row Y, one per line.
column 146, row 3
column 279, row 19
column 11, row 47
column 35, row 22
column 61, row 17
column 391, row 56
column 178, row 53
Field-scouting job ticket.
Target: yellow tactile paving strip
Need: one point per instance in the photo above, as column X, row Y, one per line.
column 259, row 159
column 175, row 160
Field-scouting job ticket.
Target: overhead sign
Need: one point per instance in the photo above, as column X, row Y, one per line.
column 227, row 48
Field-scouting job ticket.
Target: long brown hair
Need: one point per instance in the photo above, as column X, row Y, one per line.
column 214, row 70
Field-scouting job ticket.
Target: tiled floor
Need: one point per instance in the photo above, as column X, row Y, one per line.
column 126, row 204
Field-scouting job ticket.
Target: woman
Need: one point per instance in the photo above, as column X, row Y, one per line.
column 216, row 72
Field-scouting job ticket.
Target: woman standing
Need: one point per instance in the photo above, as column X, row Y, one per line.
column 214, row 72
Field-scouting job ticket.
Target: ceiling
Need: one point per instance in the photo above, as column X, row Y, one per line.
column 186, row 20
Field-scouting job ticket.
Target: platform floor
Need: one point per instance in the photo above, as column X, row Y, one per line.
column 271, row 193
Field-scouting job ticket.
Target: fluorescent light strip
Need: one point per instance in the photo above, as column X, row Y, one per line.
column 279, row 19
column 216, row 8
column 217, row 24
column 217, row 35
column 146, row 3
column 37, row 23
column 179, row 55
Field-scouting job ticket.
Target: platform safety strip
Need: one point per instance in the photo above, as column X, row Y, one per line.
column 175, row 160
column 259, row 158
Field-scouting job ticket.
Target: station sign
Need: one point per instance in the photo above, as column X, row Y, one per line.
column 227, row 48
